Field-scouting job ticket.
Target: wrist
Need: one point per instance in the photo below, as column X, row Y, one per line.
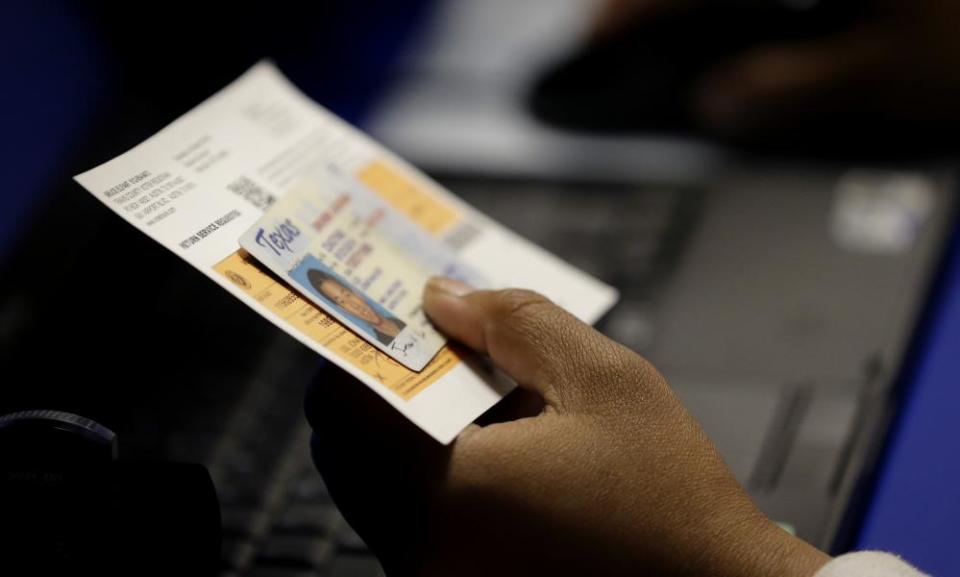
column 777, row 552
column 746, row 543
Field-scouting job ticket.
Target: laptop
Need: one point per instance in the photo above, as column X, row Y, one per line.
column 778, row 295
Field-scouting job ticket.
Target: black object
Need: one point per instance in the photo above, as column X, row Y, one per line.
column 69, row 505
column 642, row 79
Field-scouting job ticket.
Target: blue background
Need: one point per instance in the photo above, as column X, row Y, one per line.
column 84, row 80
column 915, row 509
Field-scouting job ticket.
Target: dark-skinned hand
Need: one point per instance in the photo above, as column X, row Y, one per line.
column 591, row 467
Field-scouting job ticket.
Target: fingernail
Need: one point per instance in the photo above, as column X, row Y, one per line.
column 449, row 286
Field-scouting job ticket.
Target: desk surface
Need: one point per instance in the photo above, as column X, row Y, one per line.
column 915, row 510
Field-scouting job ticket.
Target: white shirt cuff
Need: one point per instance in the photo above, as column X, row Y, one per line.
column 869, row 564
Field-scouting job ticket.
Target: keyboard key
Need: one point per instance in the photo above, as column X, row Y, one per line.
column 308, row 518
column 243, row 521
column 348, row 539
column 309, row 487
column 295, row 551
column 236, row 553
column 280, row 572
column 355, row 566
column 234, row 492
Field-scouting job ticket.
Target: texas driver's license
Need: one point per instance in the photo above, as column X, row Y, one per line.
column 340, row 245
column 339, row 236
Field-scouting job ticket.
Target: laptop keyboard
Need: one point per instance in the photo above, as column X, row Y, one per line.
column 628, row 236
column 278, row 518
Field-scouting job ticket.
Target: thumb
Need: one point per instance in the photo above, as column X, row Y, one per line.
column 534, row 341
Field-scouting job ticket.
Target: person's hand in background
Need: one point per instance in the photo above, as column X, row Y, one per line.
column 900, row 61
column 615, row 16
column 592, row 467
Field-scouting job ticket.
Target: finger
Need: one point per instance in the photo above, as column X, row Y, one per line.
column 615, row 16
column 518, row 404
column 382, row 471
column 391, row 481
column 779, row 85
column 535, row 342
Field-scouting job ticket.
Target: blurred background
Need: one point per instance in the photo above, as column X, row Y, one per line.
column 771, row 186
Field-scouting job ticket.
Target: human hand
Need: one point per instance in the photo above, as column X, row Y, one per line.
column 593, row 467
column 899, row 62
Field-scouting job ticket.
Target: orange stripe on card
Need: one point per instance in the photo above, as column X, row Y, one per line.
column 419, row 204
column 309, row 320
